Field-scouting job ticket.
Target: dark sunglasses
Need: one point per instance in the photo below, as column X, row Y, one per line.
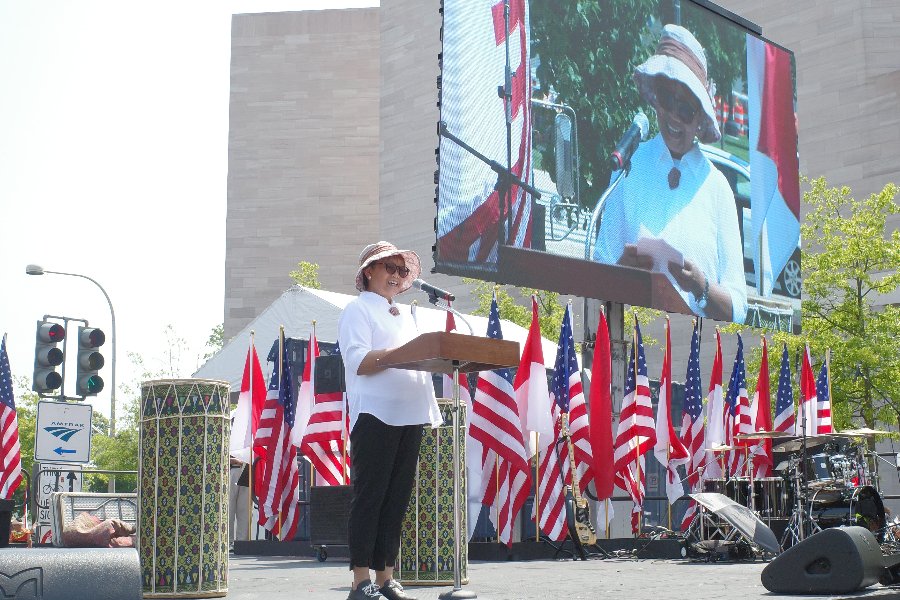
column 391, row 269
column 684, row 109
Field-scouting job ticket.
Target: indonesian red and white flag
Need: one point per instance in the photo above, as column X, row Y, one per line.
column 808, row 416
column 715, row 415
column 530, row 385
column 669, row 450
column 775, row 185
column 306, row 397
column 636, row 433
column 761, row 411
column 470, row 209
column 249, row 407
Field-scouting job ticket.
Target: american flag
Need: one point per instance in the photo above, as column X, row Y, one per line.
column 784, row 401
column 715, row 415
column 279, row 490
column 823, row 422
column 807, row 420
column 568, row 394
column 761, row 411
column 692, row 424
column 636, row 432
column 10, row 454
column 738, row 410
column 668, row 448
column 324, row 441
column 495, row 424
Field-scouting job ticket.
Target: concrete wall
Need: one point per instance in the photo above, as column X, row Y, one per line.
column 302, row 152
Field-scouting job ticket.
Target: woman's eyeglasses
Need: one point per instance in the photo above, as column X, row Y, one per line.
column 391, row 269
column 681, row 107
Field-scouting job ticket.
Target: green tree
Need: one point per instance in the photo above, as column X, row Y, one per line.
column 216, row 340
column 550, row 310
column 853, row 261
column 307, row 275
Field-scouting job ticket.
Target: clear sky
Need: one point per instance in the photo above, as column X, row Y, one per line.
column 113, row 164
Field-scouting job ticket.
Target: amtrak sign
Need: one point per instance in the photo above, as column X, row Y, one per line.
column 63, row 432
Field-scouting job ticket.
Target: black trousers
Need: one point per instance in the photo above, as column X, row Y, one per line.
column 384, row 469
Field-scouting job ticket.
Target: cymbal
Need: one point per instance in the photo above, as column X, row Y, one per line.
column 722, row 448
column 761, row 435
column 863, row 432
column 797, row 443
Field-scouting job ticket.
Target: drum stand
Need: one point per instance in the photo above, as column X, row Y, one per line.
column 801, row 525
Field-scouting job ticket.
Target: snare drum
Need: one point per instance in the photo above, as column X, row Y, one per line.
column 774, row 497
column 818, row 469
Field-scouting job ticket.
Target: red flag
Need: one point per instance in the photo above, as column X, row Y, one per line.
column 249, row 408
column 809, row 409
column 601, row 412
column 669, row 450
column 532, row 393
column 715, row 415
column 761, row 411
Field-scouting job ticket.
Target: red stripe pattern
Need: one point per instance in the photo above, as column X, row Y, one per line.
column 10, row 452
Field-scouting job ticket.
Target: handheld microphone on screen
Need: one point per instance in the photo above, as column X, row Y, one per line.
column 635, row 134
column 433, row 291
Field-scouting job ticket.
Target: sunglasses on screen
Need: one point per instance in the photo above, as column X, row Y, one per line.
column 391, row 269
column 676, row 104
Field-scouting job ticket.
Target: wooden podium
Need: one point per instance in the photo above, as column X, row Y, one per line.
column 452, row 354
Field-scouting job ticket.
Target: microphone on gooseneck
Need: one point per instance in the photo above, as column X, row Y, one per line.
column 433, row 291
column 634, row 135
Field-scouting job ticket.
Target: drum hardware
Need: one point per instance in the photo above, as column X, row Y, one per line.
column 796, row 444
column 762, row 435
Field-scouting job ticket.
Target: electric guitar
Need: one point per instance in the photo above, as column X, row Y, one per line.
column 578, row 512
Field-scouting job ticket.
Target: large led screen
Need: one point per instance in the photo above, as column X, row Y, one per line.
column 640, row 151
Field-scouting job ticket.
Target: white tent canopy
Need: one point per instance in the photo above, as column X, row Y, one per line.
column 299, row 306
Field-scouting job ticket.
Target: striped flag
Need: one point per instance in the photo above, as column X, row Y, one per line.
column 807, row 419
column 761, row 412
column 250, row 404
column 10, row 452
column 739, row 412
column 784, row 401
column 715, row 414
column 470, row 209
column 823, row 398
column 668, row 449
column 636, row 433
column 325, row 437
column 530, row 384
column 692, row 425
column 279, row 487
column 495, row 426
column 306, row 396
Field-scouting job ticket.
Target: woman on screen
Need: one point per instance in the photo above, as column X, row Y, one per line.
column 675, row 212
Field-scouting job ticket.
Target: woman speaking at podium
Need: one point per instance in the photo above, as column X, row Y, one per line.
column 388, row 408
column 675, row 212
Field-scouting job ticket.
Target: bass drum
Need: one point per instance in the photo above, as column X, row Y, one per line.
column 862, row 506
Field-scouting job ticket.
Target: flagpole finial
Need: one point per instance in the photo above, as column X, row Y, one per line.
column 496, row 287
column 667, row 317
column 415, row 302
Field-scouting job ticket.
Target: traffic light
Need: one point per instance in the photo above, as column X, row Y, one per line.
column 47, row 356
column 87, row 381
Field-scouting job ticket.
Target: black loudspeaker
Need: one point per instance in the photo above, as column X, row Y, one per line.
column 70, row 573
column 838, row 560
column 329, row 375
column 329, row 513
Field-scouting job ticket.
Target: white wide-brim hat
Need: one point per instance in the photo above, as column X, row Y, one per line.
column 377, row 251
column 680, row 57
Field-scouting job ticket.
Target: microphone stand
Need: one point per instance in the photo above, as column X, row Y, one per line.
column 505, row 178
column 442, row 304
column 594, row 221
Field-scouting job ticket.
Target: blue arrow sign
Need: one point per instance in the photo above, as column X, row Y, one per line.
column 60, row 450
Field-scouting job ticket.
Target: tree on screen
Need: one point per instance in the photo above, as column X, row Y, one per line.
column 587, row 53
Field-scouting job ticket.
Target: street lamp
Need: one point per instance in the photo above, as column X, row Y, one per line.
column 38, row 270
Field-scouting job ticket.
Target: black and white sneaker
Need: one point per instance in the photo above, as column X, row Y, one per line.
column 366, row 590
column 394, row 591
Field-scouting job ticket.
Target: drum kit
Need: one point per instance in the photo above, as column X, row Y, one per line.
column 820, row 482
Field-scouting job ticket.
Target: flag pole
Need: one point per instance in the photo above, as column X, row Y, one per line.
column 250, row 458
column 637, row 448
column 280, row 384
column 537, row 487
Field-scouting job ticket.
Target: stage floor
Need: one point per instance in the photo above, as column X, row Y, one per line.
column 288, row 578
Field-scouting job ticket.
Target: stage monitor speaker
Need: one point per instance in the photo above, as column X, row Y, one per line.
column 329, row 513
column 329, row 375
column 838, row 560
column 70, row 573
